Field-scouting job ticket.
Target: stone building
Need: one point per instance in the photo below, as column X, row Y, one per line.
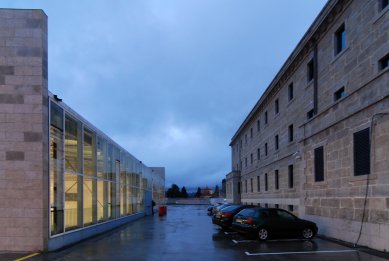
column 61, row 179
column 317, row 141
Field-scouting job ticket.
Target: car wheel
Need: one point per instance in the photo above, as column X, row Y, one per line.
column 308, row 233
column 263, row 234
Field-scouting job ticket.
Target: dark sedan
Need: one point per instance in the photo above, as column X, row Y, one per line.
column 272, row 222
column 225, row 215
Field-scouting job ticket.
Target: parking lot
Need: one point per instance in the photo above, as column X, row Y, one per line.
column 187, row 233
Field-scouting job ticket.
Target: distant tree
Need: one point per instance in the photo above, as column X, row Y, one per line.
column 198, row 193
column 184, row 194
column 173, row 192
column 217, row 192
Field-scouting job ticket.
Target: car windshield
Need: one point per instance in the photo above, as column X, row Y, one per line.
column 231, row 208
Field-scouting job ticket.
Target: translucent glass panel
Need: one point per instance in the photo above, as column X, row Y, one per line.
column 101, row 158
column 89, row 166
column 88, row 200
column 71, row 145
column 73, row 201
column 56, row 182
column 100, row 200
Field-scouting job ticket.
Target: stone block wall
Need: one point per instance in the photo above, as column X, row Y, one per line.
column 337, row 203
column 23, row 130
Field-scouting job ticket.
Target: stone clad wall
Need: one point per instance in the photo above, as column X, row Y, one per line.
column 23, row 130
column 336, row 204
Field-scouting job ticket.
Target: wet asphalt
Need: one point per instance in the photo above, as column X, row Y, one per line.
column 187, row 233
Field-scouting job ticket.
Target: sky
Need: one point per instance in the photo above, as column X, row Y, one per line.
column 170, row 80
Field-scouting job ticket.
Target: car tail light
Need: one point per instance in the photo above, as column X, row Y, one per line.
column 250, row 221
column 226, row 214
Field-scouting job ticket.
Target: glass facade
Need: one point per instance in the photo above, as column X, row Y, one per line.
column 92, row 180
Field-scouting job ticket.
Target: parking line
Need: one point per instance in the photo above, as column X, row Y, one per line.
column 241, row 241
column 25, row 257
column 297, row 253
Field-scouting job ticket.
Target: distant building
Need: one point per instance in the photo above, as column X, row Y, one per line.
column 206, row 192
column 62, row 179
column 316, row 142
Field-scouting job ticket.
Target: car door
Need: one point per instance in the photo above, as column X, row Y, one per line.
column 287, row 224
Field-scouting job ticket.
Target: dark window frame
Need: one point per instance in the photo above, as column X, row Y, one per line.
column 266, row 149
column 266, row 118
column 384, row 4
column 276, row 179
column 290, row 176
column 258, row 125
column 310, row 70
column 340, row 39
column 266, row 182
column 276, row 106
column 276, row 142
column 362, row 152
column 319, row 164
column 258, row 154
column 290, row 91
column 258, row 184
column 383, row 63
column 339, row 94
column 290, row 133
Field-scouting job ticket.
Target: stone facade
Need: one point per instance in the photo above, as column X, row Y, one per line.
column 23, row 130
column 334, row 85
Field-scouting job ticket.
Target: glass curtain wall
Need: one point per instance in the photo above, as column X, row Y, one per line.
column 91, row 179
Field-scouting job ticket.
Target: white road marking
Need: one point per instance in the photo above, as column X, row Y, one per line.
column 241, row 241
column 296, row 253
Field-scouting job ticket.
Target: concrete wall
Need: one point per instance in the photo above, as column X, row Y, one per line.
column 23, row 130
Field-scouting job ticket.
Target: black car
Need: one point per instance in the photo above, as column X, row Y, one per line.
column 225, row 215
column 272, row 222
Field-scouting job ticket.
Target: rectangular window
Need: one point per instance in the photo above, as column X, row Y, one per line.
column 251, row 185
column 258, row 154
column 266, row 187
column 245, row 185
column 258, row 184
column 265, row 149
column 362, row 152
column 276, row 179
column 339, row 94
column 340, row 39
column 384, row 4
column 251, row 132
column 265, row 117
column 277, row 206
column 245, row 138
column 238, row 187
column 310, row 71
column 384, row 62
column 290, row 176
column 290, row 133
column 245, row 162
column 290, row 208
column 310, row 114
column 251, row 158
column 276, row 106
column 258, row 125
column 276, row 145
column 290, row 91
column 72, row 144
column 319, row 164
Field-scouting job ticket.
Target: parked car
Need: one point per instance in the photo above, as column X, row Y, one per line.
column 224, row 216
column 272, row 222
column 219, row 207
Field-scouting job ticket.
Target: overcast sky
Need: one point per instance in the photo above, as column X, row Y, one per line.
column 170, row 80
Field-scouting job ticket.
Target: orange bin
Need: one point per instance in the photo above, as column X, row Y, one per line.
column 162, row 210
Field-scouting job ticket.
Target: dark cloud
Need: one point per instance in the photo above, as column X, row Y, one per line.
column 170, row 80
